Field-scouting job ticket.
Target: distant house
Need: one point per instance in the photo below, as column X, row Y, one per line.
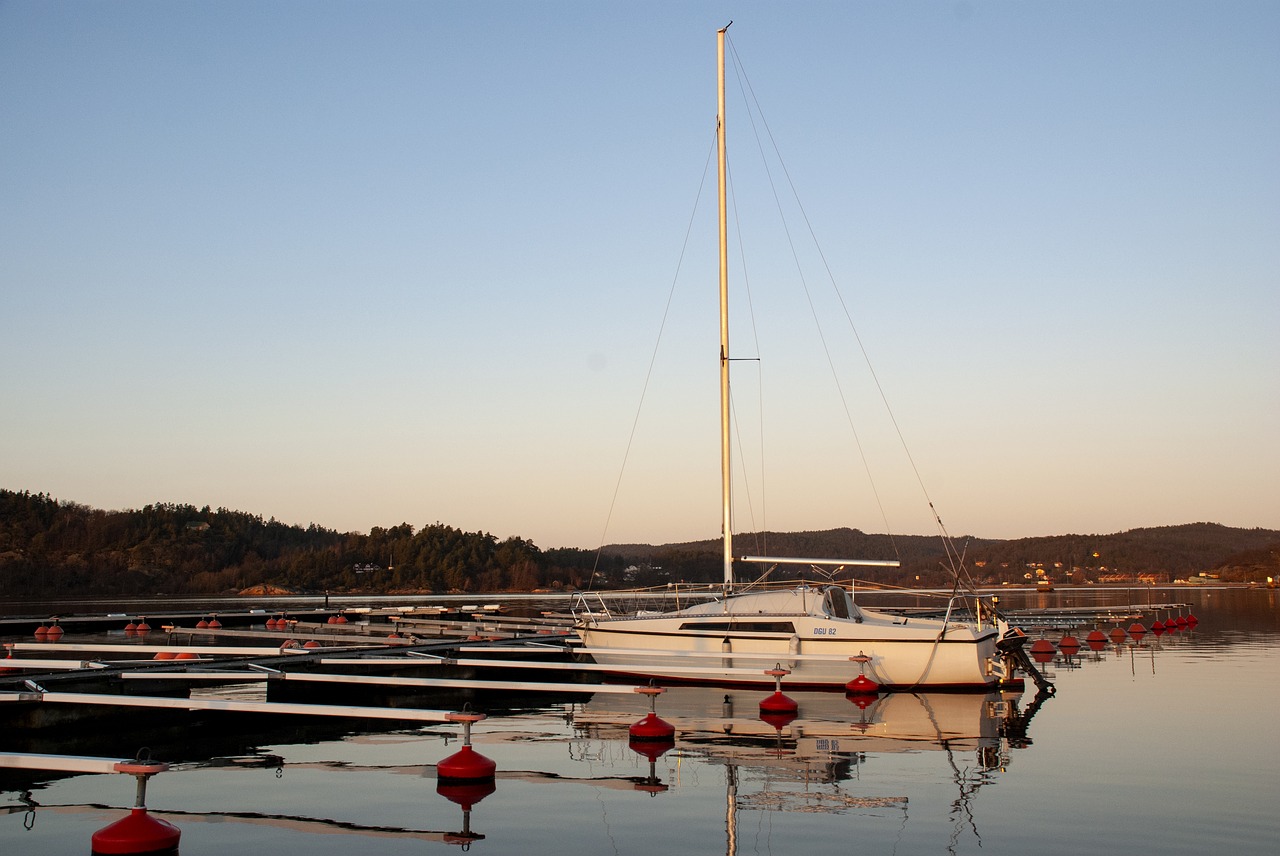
column 197, row 526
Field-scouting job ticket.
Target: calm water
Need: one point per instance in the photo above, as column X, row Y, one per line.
column 1169, row 746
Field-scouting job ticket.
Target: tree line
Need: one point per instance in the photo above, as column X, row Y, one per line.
column 50, row 547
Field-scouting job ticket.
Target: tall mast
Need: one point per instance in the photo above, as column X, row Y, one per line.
column 725, row 469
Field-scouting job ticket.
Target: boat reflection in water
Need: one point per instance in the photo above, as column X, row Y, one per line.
column 797, row 762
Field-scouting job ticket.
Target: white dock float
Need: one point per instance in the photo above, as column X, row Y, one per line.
column 378, row 681
column 50, row 665
column 402, row 713
column 224, row 650
column 61, row 763
column 109, row 648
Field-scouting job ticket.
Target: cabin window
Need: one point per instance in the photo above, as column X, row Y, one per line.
column 837, row 603
column 741, row 626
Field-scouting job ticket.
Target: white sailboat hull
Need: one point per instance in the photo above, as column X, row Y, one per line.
column 737, row 640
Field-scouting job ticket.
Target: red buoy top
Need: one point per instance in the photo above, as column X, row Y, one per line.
column 862, row 685
column 137, row 832
column 652, row 727
column 466, row 765
column 778, row 703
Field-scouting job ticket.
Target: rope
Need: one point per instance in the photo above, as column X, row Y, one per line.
column 666, row 311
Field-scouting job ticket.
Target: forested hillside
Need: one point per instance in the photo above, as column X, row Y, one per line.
column 51, row 547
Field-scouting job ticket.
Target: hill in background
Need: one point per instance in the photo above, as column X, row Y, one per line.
column 50, row 547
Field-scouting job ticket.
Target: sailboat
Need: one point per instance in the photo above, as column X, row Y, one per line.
column 818, row 634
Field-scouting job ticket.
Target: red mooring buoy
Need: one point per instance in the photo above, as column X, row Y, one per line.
column 862, row 686
column 1042, row 651
column 137, row 832
column 466, row 765
column 1096, row 640
column 55, row 633
column 1192, row 621
column 1118, row 635
column 1136, row 630
column 1068, row 645
column 777, row 702
column 652, row 727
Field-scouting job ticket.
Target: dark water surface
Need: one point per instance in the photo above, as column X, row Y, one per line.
column 1167, row 746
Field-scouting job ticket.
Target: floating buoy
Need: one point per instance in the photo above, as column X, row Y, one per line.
column 137, row 832
column 130, row 629
column 466, row 765
column 1136, row 630
column 42, row 632
column 186, row 655
column 340, row 619
column 778, row 703
column 311, row 643
column 202, row 624
column 1118, row 635
column 1158, row 626
column 1181, row 621
column 1192, row 621
column 214, row 623
column 394, row 635
column 55, row 632
column 652, row 727
column 333, row 619
column 1042, row 651
column 1096, row 640
column 862, row 686
column 1068, row 645
column 143, row 626
column 165, row 655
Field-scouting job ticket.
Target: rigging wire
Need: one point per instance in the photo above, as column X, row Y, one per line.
column 761, row 531
column 747, row 89
column 662, row 325
column 953, row 556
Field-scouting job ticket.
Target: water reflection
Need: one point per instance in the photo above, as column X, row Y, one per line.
column 902, row 773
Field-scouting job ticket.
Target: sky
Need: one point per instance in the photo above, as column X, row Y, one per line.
column 364, row 263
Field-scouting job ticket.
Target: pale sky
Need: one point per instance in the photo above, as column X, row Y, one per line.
column 363, row 263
